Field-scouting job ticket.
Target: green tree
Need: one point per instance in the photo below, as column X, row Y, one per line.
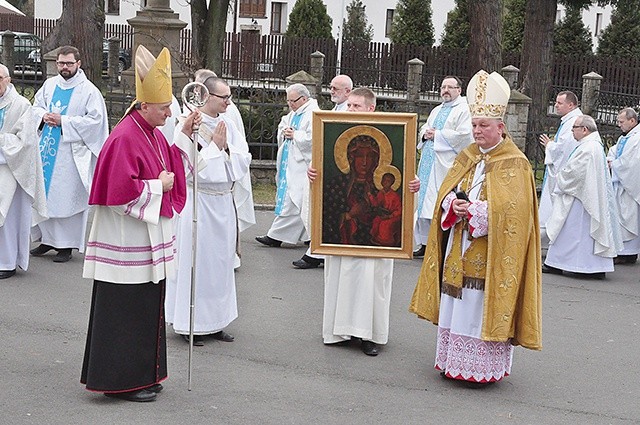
column 457, row 30
column 309, row 18
column 571, row 36
column 412, row 23
column 356, row 27
column 620, row 37
column 513, row 25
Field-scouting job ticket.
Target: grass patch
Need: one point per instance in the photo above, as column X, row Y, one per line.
column 264, row 193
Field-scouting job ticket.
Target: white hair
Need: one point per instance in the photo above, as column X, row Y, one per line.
column 4, row 70
column 301, row 89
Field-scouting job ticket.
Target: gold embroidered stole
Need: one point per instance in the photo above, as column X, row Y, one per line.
column 466, row 270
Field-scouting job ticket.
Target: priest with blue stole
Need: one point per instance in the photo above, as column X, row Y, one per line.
column 138, row 188
column 72, row 121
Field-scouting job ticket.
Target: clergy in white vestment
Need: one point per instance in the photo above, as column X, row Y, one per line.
column 73, row 125
column 357, row 290
column 340, row 87
column 557, row 151
column 227, row 159
column 481, row 283
column 138, row 188
column 292, row 161
column 20, row 178
column 624, row 162
column 583, row 229
column 242, row 189
column 444, row 135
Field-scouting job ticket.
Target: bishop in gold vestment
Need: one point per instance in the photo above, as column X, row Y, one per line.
column 481, row 277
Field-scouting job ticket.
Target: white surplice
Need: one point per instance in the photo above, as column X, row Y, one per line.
column 583, row 228
column 289, row 226
column 448, row 142
column 460, row 319
column 625, row 176
column 215, row 297
column 20, row 179
column 85, row 127
column 357, row 295
column 556, row 154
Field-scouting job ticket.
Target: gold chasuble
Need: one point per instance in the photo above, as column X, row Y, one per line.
column 512, row 283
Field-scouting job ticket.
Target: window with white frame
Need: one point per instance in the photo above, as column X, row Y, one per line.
column 277, row 17
column 389, row 22
column 598, row 28
column 112, row 7
column 253, row 8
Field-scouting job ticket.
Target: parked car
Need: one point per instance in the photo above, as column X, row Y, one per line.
column 124, row 58
column 24, row 44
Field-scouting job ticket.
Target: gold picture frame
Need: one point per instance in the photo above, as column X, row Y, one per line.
column 361, row 205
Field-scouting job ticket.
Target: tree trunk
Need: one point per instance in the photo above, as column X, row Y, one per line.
column 537, row 64
column 485, row 46
column 209, row 32
column 80, row 22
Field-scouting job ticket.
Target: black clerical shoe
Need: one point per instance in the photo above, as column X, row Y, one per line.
column 62, row 256
column 370, row 348
column 418, row 253
column 198, row 340
column 625, row 259
column 4, row 274
column 138, row 395
column 307, row 262
column 266, row 240
column 550, row 270
column 41, row 250
column 594, row 276
column 223, row 336
column 155, row 388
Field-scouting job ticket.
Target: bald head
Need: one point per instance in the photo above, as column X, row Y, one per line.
column 340, row 87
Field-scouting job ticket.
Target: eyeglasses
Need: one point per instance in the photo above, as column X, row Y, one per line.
column 225, row 98
column 67, row 64
column 295, row 100
column 578, row 126
column 449, row 87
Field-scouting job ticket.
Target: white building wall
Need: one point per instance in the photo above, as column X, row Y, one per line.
column 376, row 15
column 590, row 18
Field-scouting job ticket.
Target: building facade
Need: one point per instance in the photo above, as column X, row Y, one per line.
column 272, row 16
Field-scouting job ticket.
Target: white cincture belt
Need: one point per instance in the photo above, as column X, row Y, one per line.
column 210, row 191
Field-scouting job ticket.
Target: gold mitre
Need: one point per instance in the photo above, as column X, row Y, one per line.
column 153, row 76
column 488, row 95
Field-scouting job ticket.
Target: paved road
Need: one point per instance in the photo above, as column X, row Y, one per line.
column 279, row 372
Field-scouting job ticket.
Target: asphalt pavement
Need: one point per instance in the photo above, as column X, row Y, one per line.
column 278, row 371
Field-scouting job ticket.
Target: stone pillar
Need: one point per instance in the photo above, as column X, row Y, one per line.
column 49, row 61
column 307, row 79
column 414, row 82
column 590, row 91
column 157, row 26
column 517, row 116
column 112, row 60
column 510, row 73
column 317, row 69
column 8, row 43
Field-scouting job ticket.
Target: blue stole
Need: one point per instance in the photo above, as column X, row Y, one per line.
column 2, row 111
column 428, row 155
column 281, row 178
column 619, row 149
column 555, row 139
column 50, row 138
